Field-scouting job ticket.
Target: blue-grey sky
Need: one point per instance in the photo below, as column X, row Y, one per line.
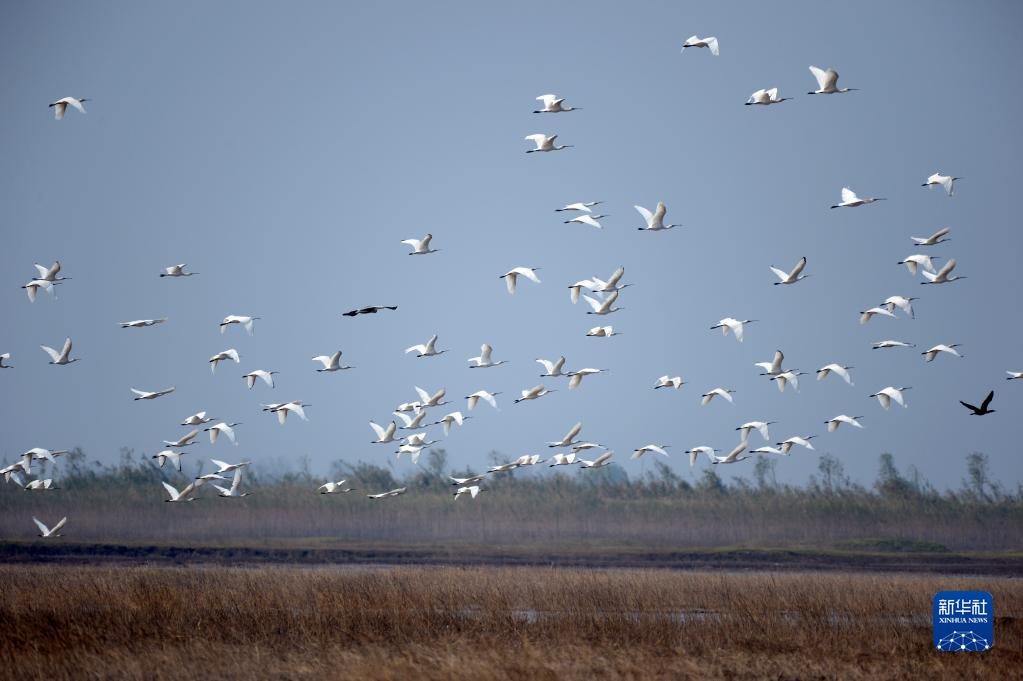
column 283, row 150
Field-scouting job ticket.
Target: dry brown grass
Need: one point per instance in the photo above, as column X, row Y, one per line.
column 490, row 623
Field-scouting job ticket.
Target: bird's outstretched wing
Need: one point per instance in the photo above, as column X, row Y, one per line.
column 170, row 490
column 987, row 400
column 968, row 406
column 647, row 215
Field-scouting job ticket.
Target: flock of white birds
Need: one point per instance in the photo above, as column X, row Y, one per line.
column 602, row 297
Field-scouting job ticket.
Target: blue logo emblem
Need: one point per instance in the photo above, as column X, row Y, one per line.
column 964, row 621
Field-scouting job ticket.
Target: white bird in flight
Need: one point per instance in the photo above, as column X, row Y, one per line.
column 60, row 358
column 32, row 288
column 591, row 220
column 584, row 206
column 601, row 461
column 553, row 104
column 570, row 437
column 177, row 271
column 4, row 358
column 736, row 326
column 420, row 246
column 458, row 482
column 655, row 220
column 284, row 408
column 886, row 395
column 224, row 467
column 196, row 419
column 384, row 435
column 709, row 42
column 827, row 82
column 759, row 426
column 411, row 422
column 145, row 395
column 238, row 319
column 914, row 262
column 717, row 392
column 391, row 493
column 602, row 332
column 786, row 377
column 488, row 397
column 428, row 349
column 942, row 276
column 655, row 449
column 544, row 143
column 603, row 307
column 850, row 200
column 140, row 323
column 929, row 355
column 768, row 450
column 266, row 376
column 791, row 277
column 49, row 273
column 786, row 445
column 866, row 315
column 226, row 428
column 835, row 422
column 560, row 459
column 169, row 455
column 61, row 105
column 176, row 496
column 766, row 97
column 577, row 376
column 1014, row 375
column 39, row 485
column 901, row 302
column 511, row 277
column 934, row 239
column 666, row 381
column 429, row 400
column 772, row 368
column 533, row 393
column 943, row 180
column 54, row 531
column 331, row 362
column 836, row 369
column 230, row 353
column 183, row 441
column 334, row 488
column 574, row 289
column 552, row 368
column 471, row 490
column 44, row 454
column 885, row 344
column 454, row 417
column 484, row 361
column 601, row 286
column 695, row 452
column 732, row 456
column 235, row 490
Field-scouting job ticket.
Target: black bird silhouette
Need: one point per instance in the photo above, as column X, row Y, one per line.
column 370, row 310
column 983, row 406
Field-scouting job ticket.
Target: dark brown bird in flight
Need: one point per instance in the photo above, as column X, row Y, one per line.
column 983, row 409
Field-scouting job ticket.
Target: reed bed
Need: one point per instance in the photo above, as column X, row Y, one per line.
column 487, row 623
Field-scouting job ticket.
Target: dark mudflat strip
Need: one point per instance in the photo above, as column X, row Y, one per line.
column 732, row 559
